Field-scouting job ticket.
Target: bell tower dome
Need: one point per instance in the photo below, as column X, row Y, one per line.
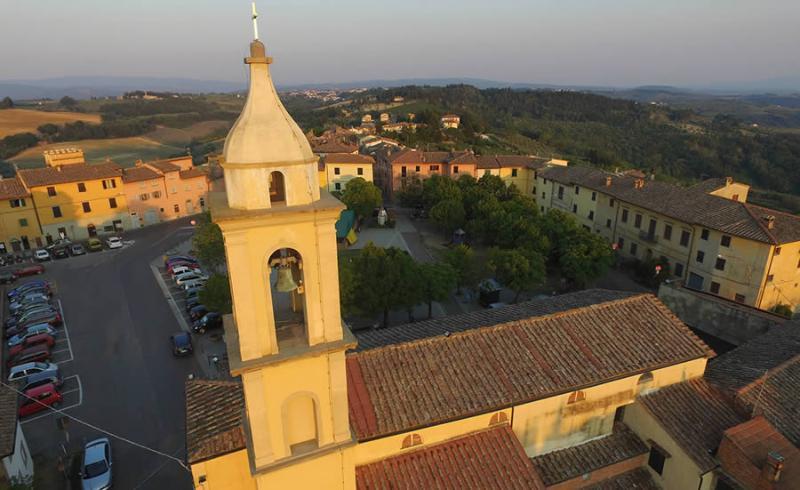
column 266, row 146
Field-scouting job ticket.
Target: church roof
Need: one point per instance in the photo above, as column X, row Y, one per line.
column 433, row 380
column 214, row 419
column 265, row 133
column 492, row 458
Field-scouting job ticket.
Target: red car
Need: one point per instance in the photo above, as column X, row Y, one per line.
column 38, row 399
column 43, row 338
column 174, row 265
column 31, row 270
column 37, row 353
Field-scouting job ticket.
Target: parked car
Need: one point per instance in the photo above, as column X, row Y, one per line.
column 37, row 353
column 191, row 303
column 31, row 299
column 184, row 266
column 29, row 313
column 193, row 284
column 114, row 242
column 178, row 258
column 198, row 312
column 181, row 344
column 36, row 283
column 96, row 467
column 186, row 276
column 77, row 249
column 94, row 245
column 190, row 293
column 7, row 278
column 209, row 321
column 30, row 270
column 32, row 331
column 38, row 399
column 24, row 371
column 61, row 252
column 42, row 378
column 51, row 317
column 42, row 255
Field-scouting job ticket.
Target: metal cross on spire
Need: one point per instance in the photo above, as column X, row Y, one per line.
column 255, row 21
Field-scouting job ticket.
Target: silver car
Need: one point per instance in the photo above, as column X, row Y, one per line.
column 30, row 332
column 96, row 469
column 22, row 371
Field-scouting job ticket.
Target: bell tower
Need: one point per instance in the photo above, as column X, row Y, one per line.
column 285, row 338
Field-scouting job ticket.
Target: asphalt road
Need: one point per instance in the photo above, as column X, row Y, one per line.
column 119, row 326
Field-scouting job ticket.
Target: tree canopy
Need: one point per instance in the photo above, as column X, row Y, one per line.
column 216, row 294
column 362, row 197
column 208, row 242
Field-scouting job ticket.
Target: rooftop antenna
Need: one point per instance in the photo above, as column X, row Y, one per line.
column 255, row 21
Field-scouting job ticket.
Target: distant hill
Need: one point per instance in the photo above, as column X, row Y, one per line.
column 87, row 87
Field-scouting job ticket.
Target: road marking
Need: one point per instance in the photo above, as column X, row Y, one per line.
column 79, row 389
column 60, row 351
column 170, row 300
column 66, row 333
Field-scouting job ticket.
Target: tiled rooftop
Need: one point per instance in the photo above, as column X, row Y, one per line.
column 638, row 479
column 425, row 382
column 334, row 147
column 695, row 414
column 565, row 464
column 138, row 174
column 36, row 177
column 214, row 419
column 510, row 161
column 755, row 439
column 491, row 459
column 192, row 173
column 348, row 158
column 690, row 205
column 12, row 189
column 165, row 166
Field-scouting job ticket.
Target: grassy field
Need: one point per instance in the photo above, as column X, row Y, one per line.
column 176, row 136
column 124, row 151
column 13, row 121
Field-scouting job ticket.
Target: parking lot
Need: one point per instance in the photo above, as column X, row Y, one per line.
column 120, row 378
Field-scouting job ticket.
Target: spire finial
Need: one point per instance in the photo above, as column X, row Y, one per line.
column 255, row 21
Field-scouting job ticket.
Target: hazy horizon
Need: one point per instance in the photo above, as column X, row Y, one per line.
column 620, row 43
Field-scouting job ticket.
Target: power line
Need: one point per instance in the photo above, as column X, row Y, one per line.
column 110, row 434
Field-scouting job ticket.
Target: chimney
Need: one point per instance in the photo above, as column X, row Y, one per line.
column 608, row 181
column 770, row 221
column 728, row 181
column 638, row 183
column 771, row 472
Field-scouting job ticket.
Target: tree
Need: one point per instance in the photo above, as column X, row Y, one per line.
column 462, row 259
column 68, row 102
column 448, row 214
column 49, row 130
column 216, row 294
column 782, row 310
column 437, row 280
column 584, row 258
column 6, row 103
column 438, row 188
column 517, row 269
column 410, row 196
column 362, row 197
column 208, row 242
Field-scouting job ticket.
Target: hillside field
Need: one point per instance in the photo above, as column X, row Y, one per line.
column 13, row 121
column 124, row 151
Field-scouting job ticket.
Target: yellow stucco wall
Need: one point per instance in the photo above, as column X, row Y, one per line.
column 347, row 172
column 784, row 286
column 735, row 190
column 18, row 222
column 680, row 472
column 228, row 472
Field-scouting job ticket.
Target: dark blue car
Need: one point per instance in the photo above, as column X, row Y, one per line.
column 181, row 344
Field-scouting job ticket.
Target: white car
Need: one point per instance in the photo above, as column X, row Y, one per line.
column 190, row 276
column 42, row 255
column 114, row 242
column 181, row 270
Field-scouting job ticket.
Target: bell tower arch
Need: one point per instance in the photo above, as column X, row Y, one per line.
column 285, row 338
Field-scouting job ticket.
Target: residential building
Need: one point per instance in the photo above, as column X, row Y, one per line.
column 451, row 121
column 19, row 224
column 78, row 200
column 399, row 127
column 712, row 242
column 335, row 146
column 385, row 117
column 451, row 403
column 164, row 190
column 337, row 169
column 63, row 156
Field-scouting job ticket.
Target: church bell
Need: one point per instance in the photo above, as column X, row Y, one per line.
column 285, row 282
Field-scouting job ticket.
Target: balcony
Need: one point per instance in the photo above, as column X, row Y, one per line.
column 648, row 237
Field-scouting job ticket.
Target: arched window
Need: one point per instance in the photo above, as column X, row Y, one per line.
column 300, row 424
column 288, row 298
column 645, row 379
column 576, row 396
column 277, row 188
column 411, row 441
column 498, row 418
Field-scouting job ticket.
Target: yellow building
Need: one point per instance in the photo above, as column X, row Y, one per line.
column 457, row 402
column 712, row 239
column 19, row 225
column 337, row 169
column 63, row 156
column 78, row 200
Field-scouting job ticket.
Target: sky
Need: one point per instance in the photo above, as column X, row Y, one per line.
column 567, row 42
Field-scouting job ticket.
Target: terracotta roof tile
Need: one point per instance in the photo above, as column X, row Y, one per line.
column 695, row 414
column 8, row 418
column 348, row 158
column 165, row 166
column 690, row 205
column 412, row 157
column 710, row 185
column 638, row 479
column 755, row 439
column 430, row 381
column 511, row 161
column 565, row 464
column 334, row 147
column 37, row 177
column 12, row 189
column 214, row 419
column 192, row 173
column 491, row 459
column 138, row 174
